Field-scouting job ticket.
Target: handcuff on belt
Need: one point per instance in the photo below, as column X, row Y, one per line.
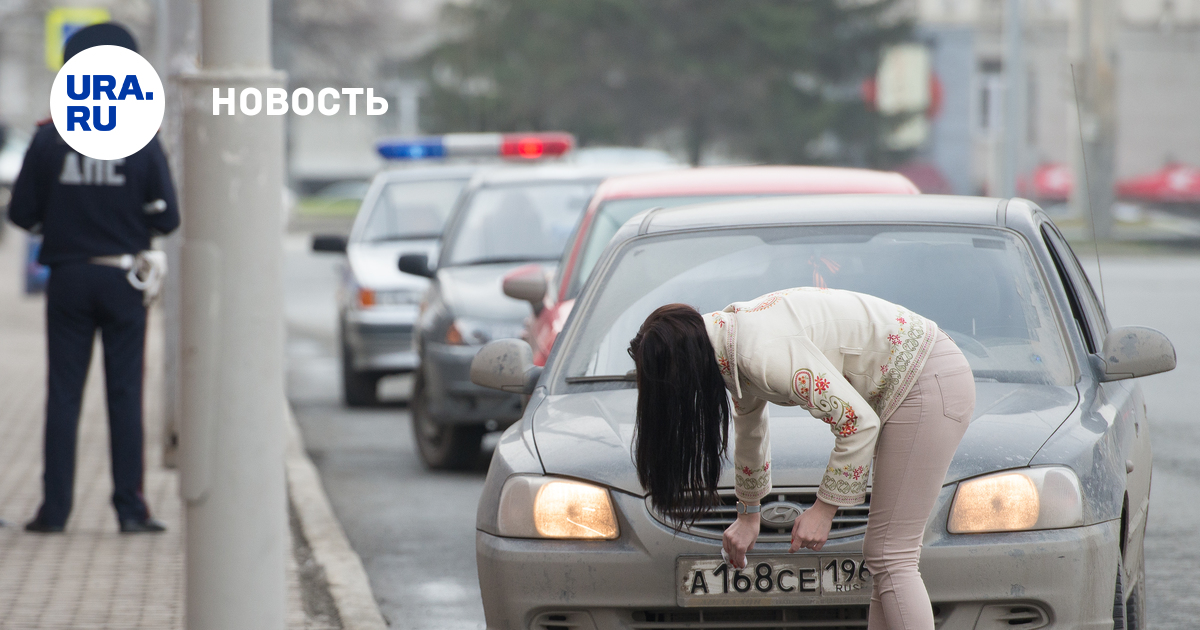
column 147, row 270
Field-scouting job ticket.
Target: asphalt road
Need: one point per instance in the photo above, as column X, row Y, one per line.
column 415, row 529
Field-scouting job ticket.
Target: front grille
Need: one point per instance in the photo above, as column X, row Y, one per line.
column 828, row 617
column 848, row 521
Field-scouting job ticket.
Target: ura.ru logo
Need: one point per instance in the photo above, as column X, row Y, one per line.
column 97, row 87
column 107, row 102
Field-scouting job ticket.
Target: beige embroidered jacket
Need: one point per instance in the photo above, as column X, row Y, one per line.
column 848, row 358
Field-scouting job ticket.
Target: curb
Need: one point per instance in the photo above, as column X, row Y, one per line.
column 348, row 584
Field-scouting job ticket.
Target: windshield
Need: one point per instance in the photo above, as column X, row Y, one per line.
column 611, row 216
column 412, row 210
column 979, row 285
column 515, row 223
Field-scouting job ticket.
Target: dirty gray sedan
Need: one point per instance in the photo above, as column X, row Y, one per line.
column 1041, row 520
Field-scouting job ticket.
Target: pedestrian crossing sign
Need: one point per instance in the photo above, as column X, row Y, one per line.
column 61, row 24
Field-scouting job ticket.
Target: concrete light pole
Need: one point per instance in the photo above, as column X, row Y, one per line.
column 1091, row 46
column 176, row 42
column 231, row 442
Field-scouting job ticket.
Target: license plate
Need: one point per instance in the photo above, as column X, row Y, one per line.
column 773, row 581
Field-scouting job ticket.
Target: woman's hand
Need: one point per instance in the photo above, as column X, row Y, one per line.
column 739, row 538
column 812, row 527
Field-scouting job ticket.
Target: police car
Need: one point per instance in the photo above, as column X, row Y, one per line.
column 403, row 212
column 505, row 219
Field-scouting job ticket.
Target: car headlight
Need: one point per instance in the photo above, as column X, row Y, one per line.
column 548, row 507
column 369, row 298
column 1018, row 500
column 472, row 332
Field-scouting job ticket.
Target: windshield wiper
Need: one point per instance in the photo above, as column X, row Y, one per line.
column 406, row 237
column 630, row 376
column 503, row 259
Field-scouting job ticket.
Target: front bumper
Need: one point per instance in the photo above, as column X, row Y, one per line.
column 451, row 396
column 381, row 340
column 973, row 581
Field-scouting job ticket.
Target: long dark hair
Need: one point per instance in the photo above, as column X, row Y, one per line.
column 682, row 413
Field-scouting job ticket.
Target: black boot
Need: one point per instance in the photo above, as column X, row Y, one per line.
column 40, row 527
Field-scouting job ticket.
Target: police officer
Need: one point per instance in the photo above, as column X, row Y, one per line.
column 94, row 217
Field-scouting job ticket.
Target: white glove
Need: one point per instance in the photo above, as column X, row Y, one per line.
column 147, row 274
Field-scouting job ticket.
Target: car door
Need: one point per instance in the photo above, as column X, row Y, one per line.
column 1119, row 403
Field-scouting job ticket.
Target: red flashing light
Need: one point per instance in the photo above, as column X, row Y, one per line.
column 531, row 146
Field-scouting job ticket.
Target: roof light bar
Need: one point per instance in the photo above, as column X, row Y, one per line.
column 531, row 146
column 521, row 146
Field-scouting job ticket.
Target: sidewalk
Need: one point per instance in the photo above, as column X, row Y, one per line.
column 91, row 576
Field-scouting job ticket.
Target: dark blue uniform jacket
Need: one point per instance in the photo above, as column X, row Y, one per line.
column 84, row 207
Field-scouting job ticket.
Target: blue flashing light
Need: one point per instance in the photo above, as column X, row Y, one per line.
column 412, row 148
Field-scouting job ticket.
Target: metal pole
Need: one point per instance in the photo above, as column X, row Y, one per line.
column 1012, row 143
column 1091, row 46
column 231, row 442
column 177, row 42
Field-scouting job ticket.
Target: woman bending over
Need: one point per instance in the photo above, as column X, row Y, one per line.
column 892, row 387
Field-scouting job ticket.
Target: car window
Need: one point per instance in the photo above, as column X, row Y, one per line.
column 1089, row 314
column 411, row 210
column 515, row 223
column 611, row 216
column 979, row 285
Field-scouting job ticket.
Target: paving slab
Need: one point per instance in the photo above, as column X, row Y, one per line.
column 91, row 576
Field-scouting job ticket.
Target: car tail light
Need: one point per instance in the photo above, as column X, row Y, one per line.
column 366, row 298
column 454, row 335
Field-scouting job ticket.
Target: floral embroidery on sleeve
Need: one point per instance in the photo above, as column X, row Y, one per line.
column 754, row 482
column 850, row 426
column 722, row 357
column 846, row 485
column 811, row 388
column 724, row 365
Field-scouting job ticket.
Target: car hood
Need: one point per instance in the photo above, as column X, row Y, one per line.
column 588, row 435
column 476, row 291
column 375, row 264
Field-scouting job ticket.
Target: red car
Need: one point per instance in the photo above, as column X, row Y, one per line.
column 619, row 198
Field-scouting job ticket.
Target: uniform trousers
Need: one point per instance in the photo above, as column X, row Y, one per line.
column 81, row 299
column 912, row 455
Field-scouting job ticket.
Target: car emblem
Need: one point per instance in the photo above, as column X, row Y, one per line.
column 780, row 514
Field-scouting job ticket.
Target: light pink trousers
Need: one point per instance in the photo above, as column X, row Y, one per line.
column 912, row 455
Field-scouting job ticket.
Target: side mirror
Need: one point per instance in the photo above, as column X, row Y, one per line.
column 331, row 243
column 415, row 264
column 1133, row 351
column 527, row 283
column 506, row 365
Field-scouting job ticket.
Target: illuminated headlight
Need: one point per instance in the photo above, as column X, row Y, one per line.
column 1018, row 500
column 547, row 507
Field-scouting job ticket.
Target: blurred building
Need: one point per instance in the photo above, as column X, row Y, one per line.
column 352, row 44
column 1157, row 82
